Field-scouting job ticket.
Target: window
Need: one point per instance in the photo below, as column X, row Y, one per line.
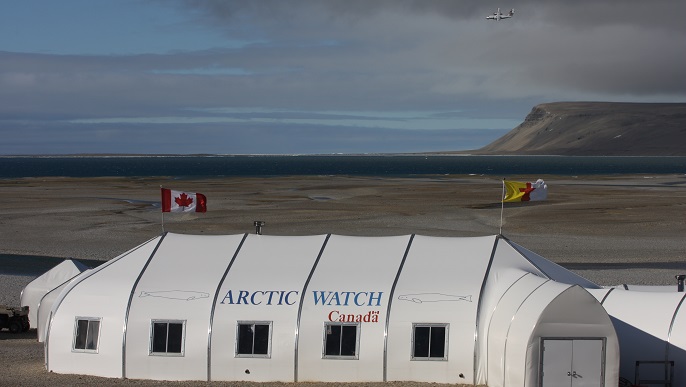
column 86, row 334
column 341, row 340
column 430, row 341
column 253, row 338
column 167, row 337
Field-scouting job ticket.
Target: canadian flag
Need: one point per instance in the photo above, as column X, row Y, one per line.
column 178, row 201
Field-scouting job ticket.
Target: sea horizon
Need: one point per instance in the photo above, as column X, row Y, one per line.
column 404, row 154
column 88, row 165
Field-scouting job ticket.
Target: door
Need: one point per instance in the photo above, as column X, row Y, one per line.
column 572, row 362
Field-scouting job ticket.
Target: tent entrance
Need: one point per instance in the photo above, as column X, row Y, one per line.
column 572, row 362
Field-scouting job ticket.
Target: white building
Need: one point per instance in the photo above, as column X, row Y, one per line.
column 479, row 310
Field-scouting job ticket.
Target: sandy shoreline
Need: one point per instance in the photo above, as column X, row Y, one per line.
column 610, row 229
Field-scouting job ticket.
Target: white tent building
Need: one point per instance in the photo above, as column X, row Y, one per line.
column 34, row 292
column 479, row 310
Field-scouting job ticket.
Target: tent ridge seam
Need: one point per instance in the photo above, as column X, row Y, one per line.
column 60, row 299
column 214, row 305
column 128, row 305
column 478, row 306
column 300, row 306
column 671, row 326
column 388, row 308
column 514, row 316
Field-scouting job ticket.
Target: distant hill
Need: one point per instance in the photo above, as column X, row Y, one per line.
column 597, row 129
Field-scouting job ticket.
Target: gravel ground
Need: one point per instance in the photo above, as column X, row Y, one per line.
column 609, row 229
column 10, row 288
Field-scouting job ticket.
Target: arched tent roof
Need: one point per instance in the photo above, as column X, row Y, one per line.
column 534, row 309
column 509, row 264
column 102, row 292
column 387, row 292
column 39, row 287
column 45, row 306
column 552, row 270
column 650, row 326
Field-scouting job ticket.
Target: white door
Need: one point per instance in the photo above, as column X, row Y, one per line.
column 572, row 363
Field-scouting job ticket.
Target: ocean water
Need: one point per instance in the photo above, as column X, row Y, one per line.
column 364, row 165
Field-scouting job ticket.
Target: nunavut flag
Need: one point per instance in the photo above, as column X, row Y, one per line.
column 177, row 201
column 516, row 191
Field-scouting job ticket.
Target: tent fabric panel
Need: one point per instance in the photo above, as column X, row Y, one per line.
column 102, row 293
column 353, row 280
column 507, row 267
column 264, row 284
column 178, row 286
column 642, row 321
column 650, row 312
column 519, row 337
column 578, row 310
column 499, row 328
column 573, row 314
column 554, row 271
column 39, row 287
column 677, row 344
column 485, row 318
column 45, row 306
column 649, row 288
column 43, row 313
column 440, row 283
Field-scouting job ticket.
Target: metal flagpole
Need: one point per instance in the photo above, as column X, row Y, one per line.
column 162, row 209
column 502, row 207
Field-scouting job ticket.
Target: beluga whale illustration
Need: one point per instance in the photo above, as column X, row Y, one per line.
column 183, row 295
column 420, row 298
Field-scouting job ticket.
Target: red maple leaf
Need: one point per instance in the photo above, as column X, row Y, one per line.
column 183, row 200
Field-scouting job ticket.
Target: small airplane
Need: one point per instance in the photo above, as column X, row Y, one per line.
column 499, row 16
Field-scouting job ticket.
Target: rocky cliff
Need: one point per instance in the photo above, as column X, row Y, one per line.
column 597, row 128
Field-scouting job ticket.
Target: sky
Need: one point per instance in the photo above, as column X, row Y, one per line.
column 314, row 76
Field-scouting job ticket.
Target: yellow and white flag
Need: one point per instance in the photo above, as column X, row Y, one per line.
column 516, row 191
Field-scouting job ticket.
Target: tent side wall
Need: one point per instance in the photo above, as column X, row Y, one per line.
column 508, row 266
column 348, row 295
column 496, row 339
column 167, row 300
column 647, row 324
column 264, row 285
column 100, row 295
column 439, row 286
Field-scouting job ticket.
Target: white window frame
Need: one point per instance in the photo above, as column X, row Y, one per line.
column 358, row 328
column 430, row 326
column 254, row 355
column 183, row 337
column 76, row 332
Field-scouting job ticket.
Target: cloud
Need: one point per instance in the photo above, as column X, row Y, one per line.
column 342, row 60
column 552, row 50
column 227, row 138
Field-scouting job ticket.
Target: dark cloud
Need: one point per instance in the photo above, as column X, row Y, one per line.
column 602, row 49
column 581, row 13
